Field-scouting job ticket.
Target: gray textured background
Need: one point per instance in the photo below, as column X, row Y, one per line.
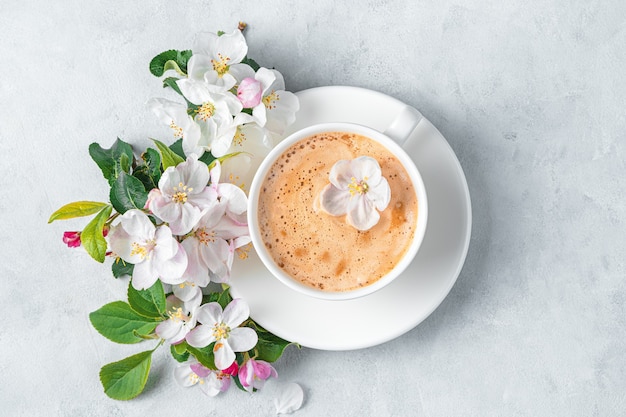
column 530, row 96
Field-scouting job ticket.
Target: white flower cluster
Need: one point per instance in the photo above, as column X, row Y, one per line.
column 233, row 109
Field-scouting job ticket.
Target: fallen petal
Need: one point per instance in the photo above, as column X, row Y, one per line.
column 290, row 399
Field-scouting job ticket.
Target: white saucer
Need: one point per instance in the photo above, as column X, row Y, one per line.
column 403, row 304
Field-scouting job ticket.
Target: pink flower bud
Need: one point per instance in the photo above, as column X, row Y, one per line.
column 71, row 239
column 250, row 92
column 253, row 374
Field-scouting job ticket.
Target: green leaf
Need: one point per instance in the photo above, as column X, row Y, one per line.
column 149, row 302
column 92, row 237
column 204, row 355
column 207, row 158
column 251, row 62
column 269, row 347
column 125, row 379
column 76, row 209
column 177, row 147
column 127, row 192
column 118, row 322
column 149, row 172
column 111, row 161
column 223, row 298
column 168, row 60
column 168, row 157
column 121, row 268
column 181, row 355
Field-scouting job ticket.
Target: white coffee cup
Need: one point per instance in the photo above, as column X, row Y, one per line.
column 399, row 130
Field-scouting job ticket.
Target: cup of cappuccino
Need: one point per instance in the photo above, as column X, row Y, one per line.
column 323, row 252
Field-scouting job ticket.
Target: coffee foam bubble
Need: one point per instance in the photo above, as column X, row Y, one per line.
column 321, row 250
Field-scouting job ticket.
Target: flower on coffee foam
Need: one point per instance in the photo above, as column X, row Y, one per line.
column 357, row 190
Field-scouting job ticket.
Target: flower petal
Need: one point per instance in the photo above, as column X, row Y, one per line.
column 380, row 195
column 361, row 213
column 184, row 375
column 341, row 174
column 201, row 336
column 209, row 313
column 290, row 399
column 223, row 353
column 366, row 167
column 144, row 275
column 334, row 201
column 242, row 339
column 236, row 312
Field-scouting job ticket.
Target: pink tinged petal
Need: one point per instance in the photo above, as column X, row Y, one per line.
column 214, row 255
column 290, row 399
column 209, row 314
column 236, row 312
column 263, row 370
column 189, row 217
column 201, row 336
column 171, row 271
column 361, row 213
column 194, row 174
column 166, row 246
column 246, row 374
column 168, row 212
column 232, row 370
column 341, row 174
column 200, row 370
column 144, row 275
column 334, row 201
column 380, row 195
column 197, row 270
column 250, row 92
column 223, row 353
column 242, row 339
column 225, row 383
column 205, row 199
column 235, row 197
column 184, row 376
column 366, row 167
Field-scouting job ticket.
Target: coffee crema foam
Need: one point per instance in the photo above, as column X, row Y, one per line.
column 320, row 250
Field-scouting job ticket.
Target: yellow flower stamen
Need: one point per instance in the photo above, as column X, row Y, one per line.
column 220, row 65
column 220, row 331
column 358, row 187
column 178, row 131
column 204, row 236
column 206, row 111
column 270, row 100
column 180, row 194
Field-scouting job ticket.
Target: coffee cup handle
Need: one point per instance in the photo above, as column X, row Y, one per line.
column 404, row 124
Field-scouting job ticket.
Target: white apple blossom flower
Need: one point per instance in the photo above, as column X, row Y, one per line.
column 215, row 108
column 153, row 250
column 183, row 195
column 175, row 116
column 278, row 107
column 357, row 189
column 181, row 319
column 210, row 246
column 221, row 327
column 227, row 132
column 210, row 382
column 218, row 59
